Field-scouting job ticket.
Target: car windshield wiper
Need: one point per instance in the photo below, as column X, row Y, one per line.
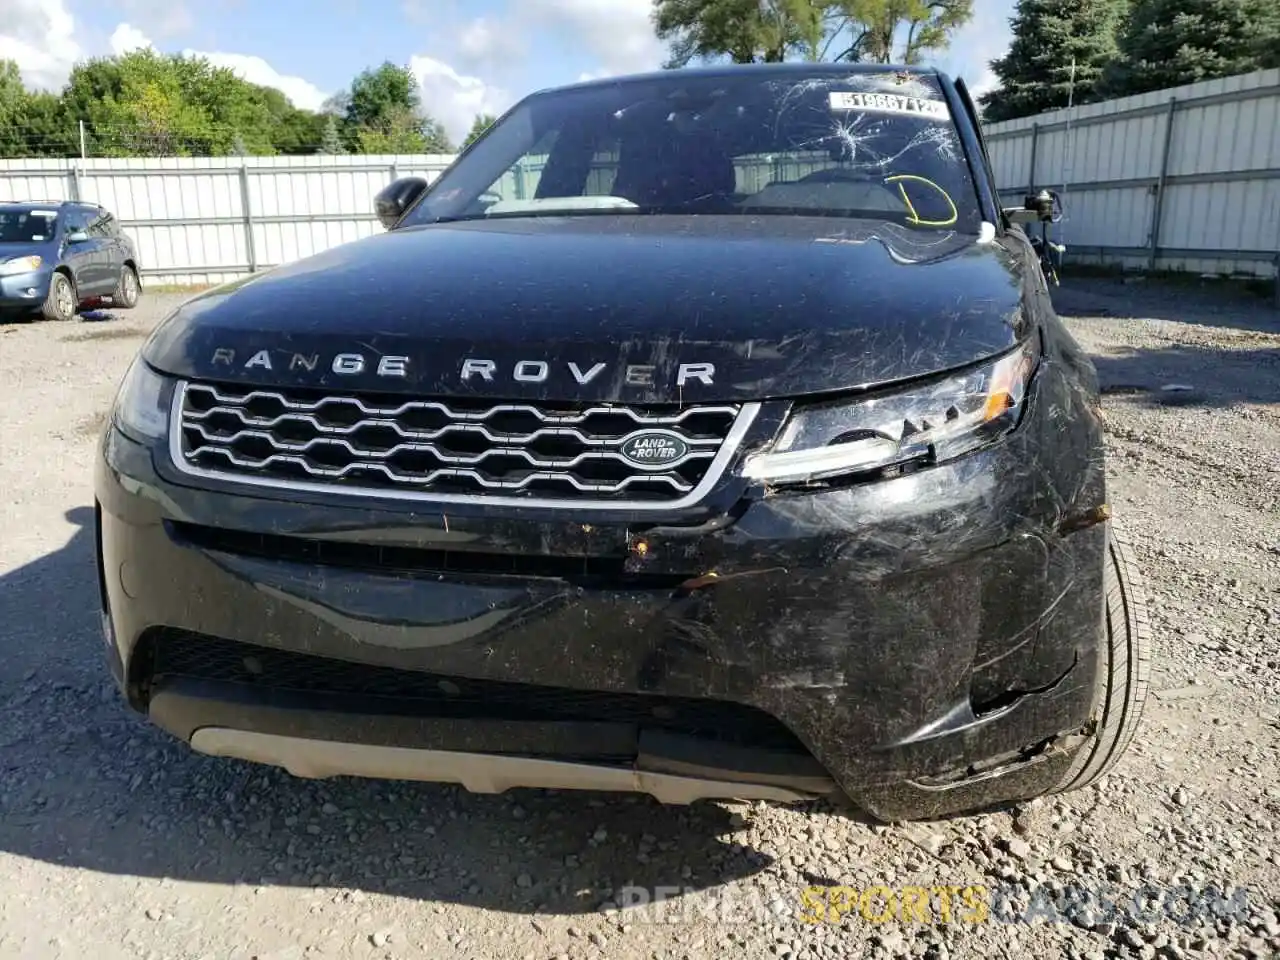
column 545, row 212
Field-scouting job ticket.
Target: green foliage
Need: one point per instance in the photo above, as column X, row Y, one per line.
column 744, row 31
column 381, row 94
column 294, row 132
column 146, row 103
column 150, row 104
column 331, row 139
column 30, row 119
column 751, row 31
column 1166, row 43
column 903, row 31
column 382, row 113
column 1036, row 74
column 481, row 123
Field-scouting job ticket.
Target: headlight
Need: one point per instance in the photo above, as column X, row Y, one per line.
column 924, row 425
column 19, row 265
column 141, row 403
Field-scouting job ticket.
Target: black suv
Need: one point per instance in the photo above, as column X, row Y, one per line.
column 59, row 256
column 708, row 433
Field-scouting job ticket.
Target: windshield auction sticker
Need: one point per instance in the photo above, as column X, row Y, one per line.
column 843, row 101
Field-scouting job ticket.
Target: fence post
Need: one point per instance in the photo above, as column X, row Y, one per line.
column 248, row 218
column 75, row 181
column 1157, row 210
column 1035, row 144
column 395, row 172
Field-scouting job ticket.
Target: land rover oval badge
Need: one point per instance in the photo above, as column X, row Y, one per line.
column 654, row 449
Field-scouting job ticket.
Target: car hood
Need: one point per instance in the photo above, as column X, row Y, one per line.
column 608, row 308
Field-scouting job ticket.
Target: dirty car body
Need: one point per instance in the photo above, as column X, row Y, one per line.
column 708, row 433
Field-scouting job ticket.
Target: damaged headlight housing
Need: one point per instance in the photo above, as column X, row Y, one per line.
column 141, row 404
column 920, row 425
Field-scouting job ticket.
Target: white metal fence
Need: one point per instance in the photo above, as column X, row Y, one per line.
column 1187, row 178
column 207, row 219
column 1183, row 179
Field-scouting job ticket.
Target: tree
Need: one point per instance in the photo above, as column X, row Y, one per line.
column 381, row 93
column 1036, row 73
column 770, row 31
column 146, row 103
column 12, row 92
column 294, row 131
column 481, row 123
column 382, row 113
column 31, row 124
column 331, row 139
column 1166, row 43
column 134, row 105
column 150, row 104
column 745, row 31
column 232, row 107
column 898, row 31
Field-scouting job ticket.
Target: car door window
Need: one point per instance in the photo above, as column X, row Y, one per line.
column 76, row 221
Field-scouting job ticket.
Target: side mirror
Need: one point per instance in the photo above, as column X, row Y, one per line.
column 393, row 200
column 1020, row 215
column 1044, row 206
column 77, row 236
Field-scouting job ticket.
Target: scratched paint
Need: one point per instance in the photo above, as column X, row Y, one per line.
column 898, row 630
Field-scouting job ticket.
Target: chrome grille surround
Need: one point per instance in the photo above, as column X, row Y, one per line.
column 477, row 451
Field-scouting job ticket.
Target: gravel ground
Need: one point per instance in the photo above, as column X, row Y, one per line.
column 116, row 842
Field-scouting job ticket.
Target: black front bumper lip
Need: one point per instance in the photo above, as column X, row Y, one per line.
column 184, row 707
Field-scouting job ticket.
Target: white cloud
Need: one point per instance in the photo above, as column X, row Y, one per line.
column 39, row 35
column 618, row 33
column 126, row 38
column 984, row 38
column 164, row 18
column 301, row 93
column 482, row 43
column 454, row 98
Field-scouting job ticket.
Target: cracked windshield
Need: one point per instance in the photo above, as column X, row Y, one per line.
column 879, row 146
column 640, row 480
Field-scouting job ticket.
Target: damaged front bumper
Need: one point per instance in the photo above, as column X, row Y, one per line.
column 925, row 645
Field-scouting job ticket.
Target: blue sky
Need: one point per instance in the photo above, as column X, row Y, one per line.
column 469, row 55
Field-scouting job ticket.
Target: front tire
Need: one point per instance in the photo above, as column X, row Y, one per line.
column 128, row 289
column 60, row 303
column 1124, row 672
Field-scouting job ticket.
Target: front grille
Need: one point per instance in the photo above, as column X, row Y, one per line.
column 173, row 653
column 459, row 448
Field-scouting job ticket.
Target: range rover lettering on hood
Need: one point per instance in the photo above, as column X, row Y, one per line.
column 609, row 310
column 522, row 371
